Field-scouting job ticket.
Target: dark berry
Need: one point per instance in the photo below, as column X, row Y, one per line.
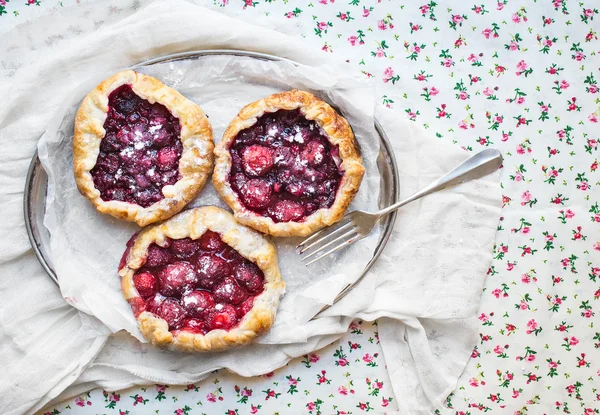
column 177, row 278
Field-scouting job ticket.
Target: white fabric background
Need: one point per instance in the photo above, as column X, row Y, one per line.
column 438, row 278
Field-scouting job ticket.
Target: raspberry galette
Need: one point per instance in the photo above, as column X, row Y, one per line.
column 201, row 282
column 141, row 150
column 288, row 164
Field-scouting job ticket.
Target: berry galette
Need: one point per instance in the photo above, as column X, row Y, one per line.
column 141, row 150
column 201, row 282
column 288, row 164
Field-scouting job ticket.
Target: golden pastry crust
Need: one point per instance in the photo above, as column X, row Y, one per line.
column 196, row 160
column 336, row 129
column 249, row 243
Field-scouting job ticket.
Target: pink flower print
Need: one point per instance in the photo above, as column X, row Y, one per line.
column 564, row 84
column 525, row 278
column 433, row 91
column 477, row 9
column 457, row 18
column 523, row 305
column 505, row 137
column 367, row 358
column 531, row 326
column 516, row 18
column 3, row 3
column 522, row 66
column 570, row 389
column 342, row 390
column 322, row 26
column 557, row 301
column 381, row 25
column 588, row 12
column 486, row 33
column 569, row 214
column 487, row 91
column 253, row 409
column 474, row 382
column 500, row 5
column 79, row 401
column 463, row 95
column 352, row 39
column 388, row 73
column 313, row 357
column 448, row 62
column 531, row 358
column 579, row 56
column 552, row 364
column 379, row 53
column 160, row 388
column 525, row 197
column 472, row 58
column 483, row 317
column 594, row 166
column 366, row 12
column 343, row 362
column 496, row 293
column 520, row 149
column 597, row 246
column 548, row 42
column 311, row 406
column 588, row 313
column 513, row 45
column 510, row 266
column 584, row 186
column 414, row 27
column 343, row 16
column 515, row 393
column 289, row 15
column 416, row 49
column 544, row 108
column 385, row 402
column 574, row 340
column 518, row 177
column 593, row 118
column 498, row 349
column 520, row 100
column 424, row 9
column 593, row 88
column 211, row 397
column 462, row 125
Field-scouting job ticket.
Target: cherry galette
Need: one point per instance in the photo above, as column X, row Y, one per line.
column 141, row 150
column 200, row 281
column 288, row 164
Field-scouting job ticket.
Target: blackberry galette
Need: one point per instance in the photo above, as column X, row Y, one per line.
column 288, row 164
column 201, row 282
column 141, row 150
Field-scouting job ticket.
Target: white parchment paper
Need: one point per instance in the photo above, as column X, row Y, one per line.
column 86, row 246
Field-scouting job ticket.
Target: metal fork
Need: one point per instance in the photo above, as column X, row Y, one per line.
column 356, row 225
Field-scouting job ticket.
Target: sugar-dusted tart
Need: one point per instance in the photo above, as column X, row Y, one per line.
column 288, row 164
column 200, row 281
column 141, row 150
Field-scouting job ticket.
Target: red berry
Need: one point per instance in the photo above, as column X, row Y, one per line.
column 257, row 160
column 222, row 317
column 197, row 302
column 211, row 241
column 157, row 256
column 249, row 276
column 194, row 325
column 256, row 193
column 313, row 153
column 245, row 307
column 154, row 302
column 211, row 270
column 287, row 211
column 229, row 292
column 177, row 278
column 172, row 312
column 184, row 248
column 145, row 283
column 167, row 158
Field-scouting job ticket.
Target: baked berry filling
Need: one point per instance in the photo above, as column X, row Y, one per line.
column 197, row 285
column 140, row 151
column 284, row 167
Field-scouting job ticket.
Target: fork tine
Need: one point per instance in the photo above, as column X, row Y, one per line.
column 340, row 246
column 323, row 232
column 326, row 236
column 348, row 234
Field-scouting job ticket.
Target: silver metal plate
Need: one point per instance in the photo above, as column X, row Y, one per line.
column 36, row 184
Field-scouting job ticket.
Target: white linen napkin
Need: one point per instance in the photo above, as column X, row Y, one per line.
column 427, row 284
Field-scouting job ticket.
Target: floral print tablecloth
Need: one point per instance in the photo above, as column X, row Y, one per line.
column 521, row 76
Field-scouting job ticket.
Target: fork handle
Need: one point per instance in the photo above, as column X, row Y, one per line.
column 479, row 165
